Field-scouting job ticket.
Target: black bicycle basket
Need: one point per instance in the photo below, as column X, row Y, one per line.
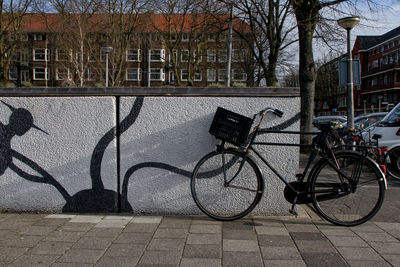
column 230, row 126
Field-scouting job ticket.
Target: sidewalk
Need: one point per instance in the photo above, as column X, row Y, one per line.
column 83, row 240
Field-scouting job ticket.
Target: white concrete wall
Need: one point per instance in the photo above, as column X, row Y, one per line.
column 162, row 137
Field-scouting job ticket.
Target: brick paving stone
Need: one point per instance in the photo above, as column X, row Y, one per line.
column 239, row 234
column 141, row 227
column 133, row 238
column 9, row 253
column 166, row 244
column 22, row 241
column 238, row 225
column 275, row 241
column 377, row 237
column 51, row 222
column 7, row 234
column 117, row 261
column 146, row 219
column 301, row 227
column 205, row 229
column 286, row 263
column 268, row 222
column 267, row 230
column 76, row 227
column 112, row 223
column 71, row 264
column 91, row 242
column 175, row 222
column 104, row 232
column 205, row 220
column 242, row 259
column 307, row 236
column 190, row 262
column 380, row 263
column 240, row 245
column 368, row 227
column 388, row 226
column 39, row 230
column 60, row 216
column 347, row 241
column 318, row 246
column 202, row 251
column 51, row 248
column 64, row 236
column 125, row 250
column 161, row 257
column 324, row 259
column 81, row 255
column 278, row 253
column 392, row 259
column 337, row 231
column 171, row 233
column 203, row 239
column 34, row 260
column 386, row 248
column 86, row 219
column 356, row 253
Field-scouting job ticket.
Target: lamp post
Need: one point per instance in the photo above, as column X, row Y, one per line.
column 107, row 50
column 348, row 23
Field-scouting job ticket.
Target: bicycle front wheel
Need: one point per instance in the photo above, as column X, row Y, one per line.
column 343, row 201
column 226, row 185
column 392, row 162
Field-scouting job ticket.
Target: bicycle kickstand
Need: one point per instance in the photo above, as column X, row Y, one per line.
column 292, row 210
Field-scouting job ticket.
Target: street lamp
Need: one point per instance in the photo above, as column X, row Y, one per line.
column 348, row 23
column 107, row 50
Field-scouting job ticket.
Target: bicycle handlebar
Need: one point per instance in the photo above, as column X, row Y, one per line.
column 273, row 110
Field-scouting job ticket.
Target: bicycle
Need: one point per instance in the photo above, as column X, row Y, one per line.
column 227, row 184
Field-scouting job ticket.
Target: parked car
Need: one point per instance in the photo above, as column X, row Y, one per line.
column 322, row 119
column 388, row 128
column 365, row 120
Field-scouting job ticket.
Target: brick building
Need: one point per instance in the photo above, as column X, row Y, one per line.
column 51, row 53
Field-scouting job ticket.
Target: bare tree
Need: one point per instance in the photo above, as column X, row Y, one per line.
column 11, row 22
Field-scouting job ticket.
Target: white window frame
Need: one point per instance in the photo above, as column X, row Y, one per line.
column 24, row 56
column 58, row 52
column 241, row 72
column 211, row 77
column 46, row 54
column 171, row 77
column 211, row 55
column 39, row 37
column 184, row 72
column 212, row 37
column 13, row 74
column 222, row 55
column 236, row 53
column 199, row 58
column 161, row 73
column 68, row 72
column 221, row 72
column 91, row 75
column 161, row 55
column 185, row 37
column 139, row 74
column 138, row 55
column 24, row 76
column 46, row 74
column 174, row 54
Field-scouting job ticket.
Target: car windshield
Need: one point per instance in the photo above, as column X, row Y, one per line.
column 393, row 118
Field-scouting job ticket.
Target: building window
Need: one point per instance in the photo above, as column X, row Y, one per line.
column 185, row 56
column 237, row 55
column 212, row 37
column 24, row 76
column 39, row 37
column 40, row 54
column 185, row 37
column 133, row 55
column 13, row 74
column 157, row 75
column 184, row 75
column 198, row 76
column 24, row 56
column 171, row 77
column 133, row 74
column 24, row 37
column 211, row 75
column 157, row 55
column 62, row 55
column 175, row 57
column 40, row 74
column 91, row 75
column 221, row 55
column 221, row 75
column 211, row 56
column 239, row 75
column 63, row 74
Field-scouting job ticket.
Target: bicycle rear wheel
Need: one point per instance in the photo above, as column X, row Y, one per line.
column 392, row 162
column 221, row 200
column 345, row 202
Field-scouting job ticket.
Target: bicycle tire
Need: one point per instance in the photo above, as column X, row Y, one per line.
column 226, row 203
column 392, row 162
column 337, row 202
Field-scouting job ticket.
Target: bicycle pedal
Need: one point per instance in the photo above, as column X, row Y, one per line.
column 293, row 212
